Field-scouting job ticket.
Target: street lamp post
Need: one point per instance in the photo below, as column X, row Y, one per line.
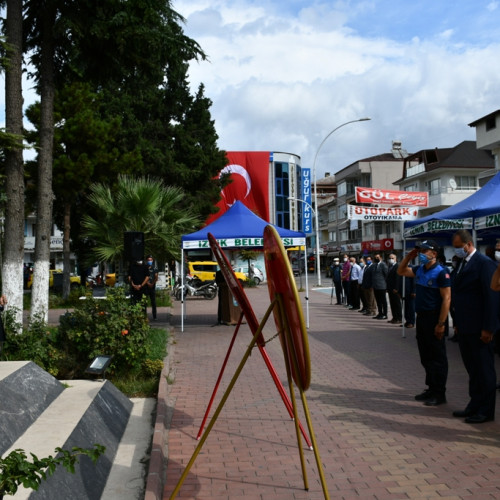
column 291, row 198
column 316, row 221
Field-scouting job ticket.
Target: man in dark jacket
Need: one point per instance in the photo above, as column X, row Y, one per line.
column 337, row 279
column 379, row 282
column 394, row 289
column 367, row 286
column 475, row 307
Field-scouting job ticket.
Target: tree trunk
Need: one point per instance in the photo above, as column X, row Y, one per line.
column 66, row 249
column 12, row 272
column 40, row 288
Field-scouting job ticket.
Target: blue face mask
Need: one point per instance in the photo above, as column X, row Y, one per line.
column 368, row 262
column 461, row 253
column 361, row 264
column 423, row 259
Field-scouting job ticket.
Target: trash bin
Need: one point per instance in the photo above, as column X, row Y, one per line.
column 230, row 310
column 57, row 284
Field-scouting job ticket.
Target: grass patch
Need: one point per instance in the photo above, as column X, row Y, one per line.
column 137, row 386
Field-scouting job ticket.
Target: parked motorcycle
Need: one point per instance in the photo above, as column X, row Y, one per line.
column 193, row 287
column 95, row 281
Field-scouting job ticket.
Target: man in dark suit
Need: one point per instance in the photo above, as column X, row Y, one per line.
column 475, row 307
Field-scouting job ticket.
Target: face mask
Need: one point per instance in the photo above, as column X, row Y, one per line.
column 345, row 260
column 497, row 256
column 461, row 253
column 150, row 262
column 368, row 262
column 377, row 259
column 454, row 264
column 391, row 261
column 363, row 265
column 423, row 259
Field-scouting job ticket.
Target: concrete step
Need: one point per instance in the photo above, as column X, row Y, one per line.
column 74, row 413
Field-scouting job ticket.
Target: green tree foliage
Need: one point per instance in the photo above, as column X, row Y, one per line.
column 16, row 469
column 143, row 204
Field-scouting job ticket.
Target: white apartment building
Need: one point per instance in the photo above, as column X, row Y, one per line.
column 343, row 235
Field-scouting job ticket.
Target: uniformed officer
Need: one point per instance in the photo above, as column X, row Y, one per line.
column 432, row 303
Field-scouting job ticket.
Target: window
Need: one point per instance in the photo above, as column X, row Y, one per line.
column 491, row 123
column 434, row 186
column 341, row 189
column 411, row 187
column 344, row 234
column 332, row 214
column 343, row 211
column 466, row 182
column 332, row 235
column 369, row 230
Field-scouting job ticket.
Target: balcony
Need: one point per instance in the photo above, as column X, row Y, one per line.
column 446, row 197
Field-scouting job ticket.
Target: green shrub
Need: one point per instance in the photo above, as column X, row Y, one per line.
column 112, row 326
column 152, row 367
column 37, row 343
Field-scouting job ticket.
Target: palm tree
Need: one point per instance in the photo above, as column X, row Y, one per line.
column 138, row 204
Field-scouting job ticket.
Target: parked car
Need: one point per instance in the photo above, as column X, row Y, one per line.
column 205, row 270
column 258, row 275
column 74, row 281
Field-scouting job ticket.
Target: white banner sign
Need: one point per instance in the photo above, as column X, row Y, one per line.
column 492, row 220
column 438, row 225
column 381, row 213
column 242, row 242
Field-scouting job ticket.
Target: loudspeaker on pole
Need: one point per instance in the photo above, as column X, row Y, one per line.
column 133, row 244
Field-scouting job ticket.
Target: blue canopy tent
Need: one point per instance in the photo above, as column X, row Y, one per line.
column 239, row 227
column 478, row 212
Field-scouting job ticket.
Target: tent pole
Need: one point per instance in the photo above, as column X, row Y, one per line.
column 403, row 333
column 182, row 289
column 307, row 284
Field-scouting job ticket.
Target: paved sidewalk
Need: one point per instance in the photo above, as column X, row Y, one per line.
column 375, row 441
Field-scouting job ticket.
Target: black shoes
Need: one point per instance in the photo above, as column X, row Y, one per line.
column 471, row 417
column 435, row 401
column 380, row 317
column 478, row 418
column 462, row 413
column 424, row 396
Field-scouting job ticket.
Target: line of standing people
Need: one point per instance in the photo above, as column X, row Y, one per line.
column 364, row 286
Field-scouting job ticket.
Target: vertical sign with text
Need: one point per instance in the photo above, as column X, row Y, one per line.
column 305, row 186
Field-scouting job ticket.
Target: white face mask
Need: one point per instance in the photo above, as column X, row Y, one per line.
column 345, row 260
column 497, row 255
column 391, row 261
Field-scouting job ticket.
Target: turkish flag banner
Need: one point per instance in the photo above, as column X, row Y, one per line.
column 249, row 175
column 387, row 197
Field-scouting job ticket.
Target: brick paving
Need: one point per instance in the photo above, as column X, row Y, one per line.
column 375, row 440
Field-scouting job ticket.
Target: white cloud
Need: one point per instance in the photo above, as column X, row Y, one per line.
column 282, row 79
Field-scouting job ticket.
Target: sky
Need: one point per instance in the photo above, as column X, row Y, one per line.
column 282, row 74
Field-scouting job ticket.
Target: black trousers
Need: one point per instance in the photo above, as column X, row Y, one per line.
column 338, row 291
column 395, row 302
column 151, row 293
column 479, row 361
column 381, row 300
column 354, row 294
column 432, row 352
column 345, row 287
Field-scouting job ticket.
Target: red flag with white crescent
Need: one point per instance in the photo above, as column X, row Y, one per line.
column 249, row 174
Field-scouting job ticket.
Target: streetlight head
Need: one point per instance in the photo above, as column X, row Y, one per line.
column 364, row 119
